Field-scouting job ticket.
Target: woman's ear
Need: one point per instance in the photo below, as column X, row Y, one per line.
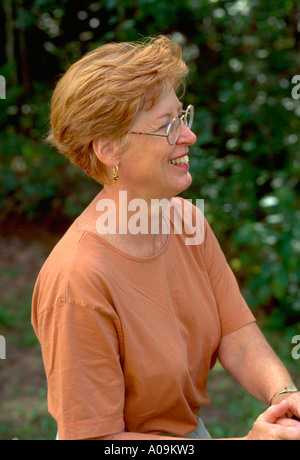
column 106, row 151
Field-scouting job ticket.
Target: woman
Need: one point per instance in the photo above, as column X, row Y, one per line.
column 131, row 317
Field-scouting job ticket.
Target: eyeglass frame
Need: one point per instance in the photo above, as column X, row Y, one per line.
column 183, row 119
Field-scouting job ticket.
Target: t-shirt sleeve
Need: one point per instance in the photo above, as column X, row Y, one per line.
column 234, row 313
column 80, row 346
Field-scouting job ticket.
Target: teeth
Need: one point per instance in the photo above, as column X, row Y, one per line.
column 180, row 161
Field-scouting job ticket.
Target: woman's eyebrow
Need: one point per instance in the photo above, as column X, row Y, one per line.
column 169, row 114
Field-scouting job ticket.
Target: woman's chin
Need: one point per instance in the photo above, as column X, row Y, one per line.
column 180, row 184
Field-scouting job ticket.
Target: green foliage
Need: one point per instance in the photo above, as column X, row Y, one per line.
column 242, row 56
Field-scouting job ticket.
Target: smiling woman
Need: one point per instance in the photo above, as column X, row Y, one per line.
column 111, row 85
column 131, row 322
column 162, row 167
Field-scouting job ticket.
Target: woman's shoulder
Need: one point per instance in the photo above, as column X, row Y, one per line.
column 72, row 271
column 68, row 249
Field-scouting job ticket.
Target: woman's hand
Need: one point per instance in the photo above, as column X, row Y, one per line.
column 294, row 402
column 275, row 424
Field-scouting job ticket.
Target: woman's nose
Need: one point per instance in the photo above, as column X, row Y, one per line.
column 186, row 136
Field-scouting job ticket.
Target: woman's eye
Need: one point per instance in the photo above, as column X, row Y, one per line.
column 164, row 127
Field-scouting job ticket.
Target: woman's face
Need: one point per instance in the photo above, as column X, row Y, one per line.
column 146, row 169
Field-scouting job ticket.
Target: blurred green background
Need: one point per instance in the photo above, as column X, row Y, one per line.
column 242, row 57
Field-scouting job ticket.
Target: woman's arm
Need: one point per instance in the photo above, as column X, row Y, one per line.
column 266, row 427
column 248, row 357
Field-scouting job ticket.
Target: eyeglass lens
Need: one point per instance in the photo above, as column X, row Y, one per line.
column 189, row 116
column 175, row 127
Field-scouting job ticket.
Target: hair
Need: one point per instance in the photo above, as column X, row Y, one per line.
column 101, row 95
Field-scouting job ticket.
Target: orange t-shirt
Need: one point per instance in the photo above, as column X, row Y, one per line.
column 128, row 342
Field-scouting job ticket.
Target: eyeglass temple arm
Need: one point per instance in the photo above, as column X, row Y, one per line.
column 149, row 134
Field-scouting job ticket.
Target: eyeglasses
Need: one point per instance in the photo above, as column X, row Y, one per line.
column 175, row 127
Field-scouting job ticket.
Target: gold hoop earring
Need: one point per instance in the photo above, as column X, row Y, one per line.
column 115, row 174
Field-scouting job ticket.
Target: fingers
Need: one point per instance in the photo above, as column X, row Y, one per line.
column 286, row 421
column 275, row 412
column 274, row 424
